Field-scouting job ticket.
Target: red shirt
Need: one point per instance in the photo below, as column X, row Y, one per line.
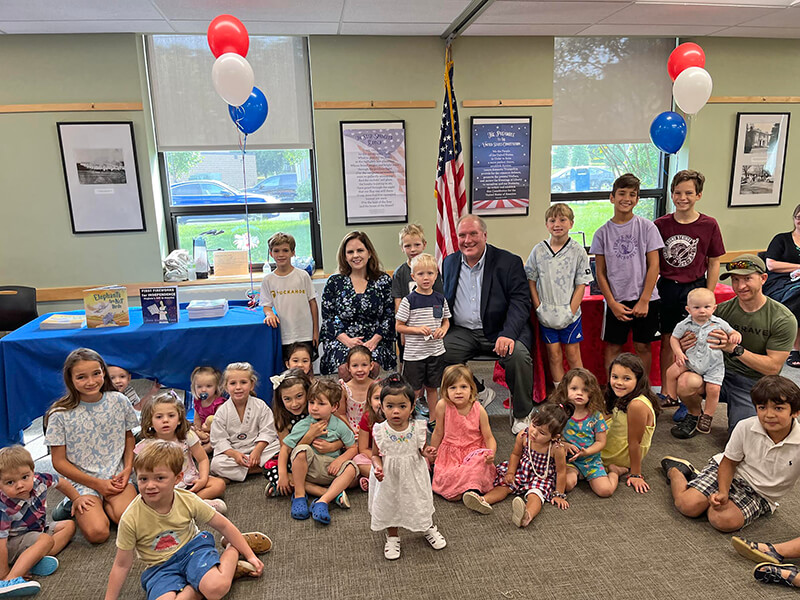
column 365, row 426
column 687, row 247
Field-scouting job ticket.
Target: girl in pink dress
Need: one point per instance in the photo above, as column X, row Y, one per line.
column 463, row 439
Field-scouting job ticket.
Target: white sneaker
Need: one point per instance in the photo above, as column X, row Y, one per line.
column 218, row 505
column 520, row 424
column 435, row 538
column 487, row 396
column 391, row 550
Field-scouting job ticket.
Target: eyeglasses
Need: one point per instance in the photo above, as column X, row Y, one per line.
column 744, row 264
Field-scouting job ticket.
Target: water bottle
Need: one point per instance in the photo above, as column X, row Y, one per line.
column 200, row 252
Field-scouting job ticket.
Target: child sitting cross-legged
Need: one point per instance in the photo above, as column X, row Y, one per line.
column 760, row 465
column 161, row 524
column 27, row 543
column 313, row 470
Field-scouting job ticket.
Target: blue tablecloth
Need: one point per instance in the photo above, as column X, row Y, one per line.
column 31, row 360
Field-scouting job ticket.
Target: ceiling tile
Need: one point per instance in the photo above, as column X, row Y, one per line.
column 788, row 17
column 650, row 30
column 404, row 11
column 132, row 26
column 265, row 28
column 393, row 28
column 249, row 10
column 669, row 14
column 525, row 29
column 517, row 11
column 76, row 10
column 759, row 32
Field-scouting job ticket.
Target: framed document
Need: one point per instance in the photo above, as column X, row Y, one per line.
column 500, row 178
column 374, row 171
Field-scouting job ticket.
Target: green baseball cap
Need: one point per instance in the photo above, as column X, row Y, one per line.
column 744, row 264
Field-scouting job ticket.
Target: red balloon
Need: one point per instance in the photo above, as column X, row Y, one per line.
column 226, row 34
column 684, row 56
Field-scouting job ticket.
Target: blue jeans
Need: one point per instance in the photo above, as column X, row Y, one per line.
column 735, row 392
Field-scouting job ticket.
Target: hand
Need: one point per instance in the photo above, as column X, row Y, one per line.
column 688, row 341
column 242, row 459
column 509, row 478
column 272, row 320
column 504, row 346
column 324, row 447
column 560, row 503
column 350, row 342
column 439, row 333
column 106, row 488
column 639, row 484
column 718, row 499
column 794, row 275
column 315, row 340
column 254, row 459
column 199, row 484
column 257, row 564
column 378, row 472
column 641, row 308
column 430, row 452
column 719, row 340
column 489, row 458
column 570, row 449
column 285, row 486
column 575, row 456
column 620, row 311
column 423, row 331
column 372, row 343
column 318, row 429
column 735, row 338
column 82, row 504
column 334, row 467
column 680, row 360
column 202, row 435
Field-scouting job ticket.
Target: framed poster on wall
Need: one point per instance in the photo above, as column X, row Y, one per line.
column 102, row 176
column 500, row 178
column 759, row 158
column 374, row 171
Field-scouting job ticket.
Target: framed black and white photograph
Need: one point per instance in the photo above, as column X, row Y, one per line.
column 500, row 178
column 374, row 171
column 102, row 176
column 759, row 157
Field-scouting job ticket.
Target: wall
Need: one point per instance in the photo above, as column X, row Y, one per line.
column 38, row 247
column 745, row 67
column 405, row 68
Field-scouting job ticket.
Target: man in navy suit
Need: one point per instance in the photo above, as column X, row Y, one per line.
column 487, row 291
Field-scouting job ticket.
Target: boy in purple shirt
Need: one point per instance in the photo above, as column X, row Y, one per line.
column 626, row 251
column 27, row 543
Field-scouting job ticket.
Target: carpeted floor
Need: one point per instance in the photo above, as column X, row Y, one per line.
column 629, row 546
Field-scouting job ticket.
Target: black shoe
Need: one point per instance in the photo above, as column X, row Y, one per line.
column 686, row 428
column 684, row 466
column 63, row 511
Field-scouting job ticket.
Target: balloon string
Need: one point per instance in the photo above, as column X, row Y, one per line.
column 243, row 146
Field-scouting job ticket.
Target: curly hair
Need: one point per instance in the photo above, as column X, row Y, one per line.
column 170, row 398
column 561, row 394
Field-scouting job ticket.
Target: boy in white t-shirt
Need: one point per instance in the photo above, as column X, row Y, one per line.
column 287, row 296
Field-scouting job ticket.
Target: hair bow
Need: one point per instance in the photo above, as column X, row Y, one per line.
column 278, row 379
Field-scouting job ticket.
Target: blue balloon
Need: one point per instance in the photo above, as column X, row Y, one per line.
column 668, row 132
column 251, row 115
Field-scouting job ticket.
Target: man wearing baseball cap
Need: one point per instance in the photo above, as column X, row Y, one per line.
column 768, row 331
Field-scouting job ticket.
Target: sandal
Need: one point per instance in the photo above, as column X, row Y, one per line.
column 363, row 483
column 243, row 568
column 259, row 542
column 435, row 539
column 319, row 512
column 794, row 359
column 391, row 549
column 519, row 513
column 750, row 550
column 342, row 501
column 668, row 401
column 300, row 508
column 476, row 502
column 767, row 572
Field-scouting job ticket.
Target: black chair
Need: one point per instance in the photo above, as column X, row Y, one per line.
column 17, row 306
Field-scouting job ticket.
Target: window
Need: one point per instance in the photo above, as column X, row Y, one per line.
column 620, row 84
column 206, row 177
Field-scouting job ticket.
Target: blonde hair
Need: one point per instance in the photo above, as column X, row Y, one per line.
column 412, row 229
column 159, row 453
column 245, row 367
column 170, row 398
column 559, row 209
column 700, row 293
column 451, row 376
column 280, row 239
column 470, row 217
column 15, row 457
column 207, row 371
column 423, row 261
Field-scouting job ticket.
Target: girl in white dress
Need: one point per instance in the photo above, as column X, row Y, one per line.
column 400, row 487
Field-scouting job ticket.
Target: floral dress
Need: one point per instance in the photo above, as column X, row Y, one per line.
column 357, row 315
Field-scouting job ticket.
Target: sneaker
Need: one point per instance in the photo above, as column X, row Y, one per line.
column 704, row 423
column 431, row 426
column 422, row 408
column 520, row 424
column 218, row 505
column 63, row 511
column 391, row 549
column 487, row 396
column 686, row 428
column 684, row 466
column 46, row 566
column 19, row 587
column 476, row 502
column 435, row 538
column 681, row 413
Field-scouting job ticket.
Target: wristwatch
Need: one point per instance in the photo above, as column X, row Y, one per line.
column 738, row 350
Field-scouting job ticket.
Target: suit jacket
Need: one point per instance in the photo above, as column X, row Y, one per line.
column 505, row 296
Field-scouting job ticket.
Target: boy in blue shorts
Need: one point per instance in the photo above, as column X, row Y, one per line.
column 558, row 271
column 161, row 525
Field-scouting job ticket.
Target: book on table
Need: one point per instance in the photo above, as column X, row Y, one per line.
column 62, row 321
column 106, row 306
column 207, row 309
column 159, row 304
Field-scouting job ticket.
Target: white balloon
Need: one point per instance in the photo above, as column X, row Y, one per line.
column 233, row 78
column 692, row 89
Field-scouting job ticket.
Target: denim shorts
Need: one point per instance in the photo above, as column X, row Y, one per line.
column 186, row 567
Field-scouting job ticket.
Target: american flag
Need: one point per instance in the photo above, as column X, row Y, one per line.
column 450, row 190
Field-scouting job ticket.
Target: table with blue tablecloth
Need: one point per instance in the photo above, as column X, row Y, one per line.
column 31, row 359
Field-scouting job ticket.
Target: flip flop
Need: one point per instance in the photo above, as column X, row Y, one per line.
column 750, row 550
column 319, row 512
column 771, row 573
column 300, row 508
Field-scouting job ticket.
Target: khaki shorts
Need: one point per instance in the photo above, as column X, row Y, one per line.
column 318, row 465
column 17, row 544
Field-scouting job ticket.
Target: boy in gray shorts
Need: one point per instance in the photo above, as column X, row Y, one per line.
column 700, row 359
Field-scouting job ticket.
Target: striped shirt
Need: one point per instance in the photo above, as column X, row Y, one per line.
column 419, row 310
column 21, row 516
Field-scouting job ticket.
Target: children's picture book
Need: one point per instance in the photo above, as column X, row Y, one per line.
column 60, row 321
column 159, row 304
column 106, row 306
